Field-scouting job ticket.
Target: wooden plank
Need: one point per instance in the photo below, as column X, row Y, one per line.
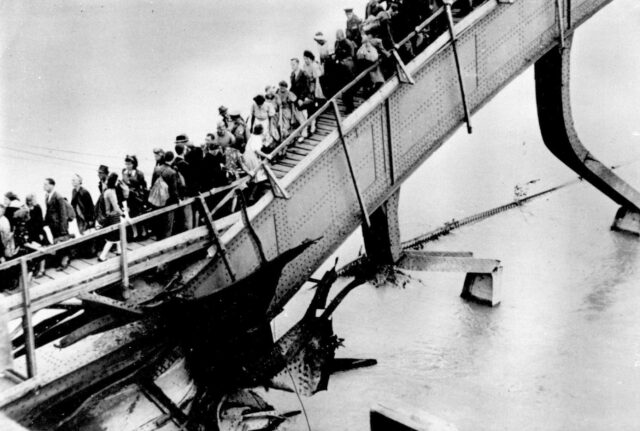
column 314, row 139
column 327, row 122
column 290, row 163
column 305, row 146
column 298, row 151
column 281, row 169
column 68, row 270
column 134, row 246
column 105, row 273
column 293, row 156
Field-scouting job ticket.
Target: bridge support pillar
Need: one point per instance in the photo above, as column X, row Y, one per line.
column 627, row 220
column 383, row 417
column 483, row 282
column 552, row 75
column 382, row 238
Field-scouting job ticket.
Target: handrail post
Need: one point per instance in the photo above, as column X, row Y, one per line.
column 402, row 67
column 560, row 19
column 278, row 190
column 363, row 210
column 27, row 321
column 216, row 239
column 124, row 261
column 452, row 33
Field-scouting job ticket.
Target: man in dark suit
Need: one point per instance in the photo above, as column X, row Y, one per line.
column 164, row 223
column 57, row 217
column 82, row 204
column 301, row 87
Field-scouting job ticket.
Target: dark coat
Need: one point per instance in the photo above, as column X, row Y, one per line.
column 83, row 206
column 353, row 29
column 214, row 167
column 195, row 159
column 36, row 225
column 188, row 174
column 57, row 217
column 301, row 85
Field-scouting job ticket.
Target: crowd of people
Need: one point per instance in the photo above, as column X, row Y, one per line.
column 235, row 150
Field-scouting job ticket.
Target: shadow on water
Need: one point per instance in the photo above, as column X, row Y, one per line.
column 609, row 274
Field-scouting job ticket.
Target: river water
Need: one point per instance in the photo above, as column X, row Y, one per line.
column 83, row 84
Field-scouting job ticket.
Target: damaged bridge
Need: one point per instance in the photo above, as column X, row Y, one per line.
column 349, row 173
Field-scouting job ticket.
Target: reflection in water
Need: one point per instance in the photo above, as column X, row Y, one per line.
column 620, row 266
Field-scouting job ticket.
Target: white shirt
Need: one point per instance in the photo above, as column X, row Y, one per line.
column 250, row 156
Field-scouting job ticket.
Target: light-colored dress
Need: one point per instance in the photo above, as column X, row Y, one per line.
column 262, row 115
column 251, row 158
column 315, row 71
column 7, row 237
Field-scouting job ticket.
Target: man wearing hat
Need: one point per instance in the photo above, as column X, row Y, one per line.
column 353, row 26
column 239, row 130
column 323, row 48
column 183, row 140
column 224, row 115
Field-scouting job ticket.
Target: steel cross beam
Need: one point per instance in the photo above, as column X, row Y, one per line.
column 402, row 68
column 216, row 239
column 560, row 18
column 278, row 190
column 363, row 209
column 452, row 33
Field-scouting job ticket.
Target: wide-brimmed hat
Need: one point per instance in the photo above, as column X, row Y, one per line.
column 158, row 150
column 235, row 113
column 182, row 139
column 319, row 37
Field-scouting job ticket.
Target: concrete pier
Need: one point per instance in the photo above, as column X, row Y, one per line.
column 384, row 417
column 382, row 238
column 483, row 282
column 627, row 220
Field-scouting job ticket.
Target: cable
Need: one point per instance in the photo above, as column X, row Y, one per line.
column 295, row 388
column 80, row 153
column 61, row 150
column 47, row 156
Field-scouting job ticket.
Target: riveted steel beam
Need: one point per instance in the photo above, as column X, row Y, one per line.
column 552, row 76
column 454, row 49
column 363, row 209
column 220, row 248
